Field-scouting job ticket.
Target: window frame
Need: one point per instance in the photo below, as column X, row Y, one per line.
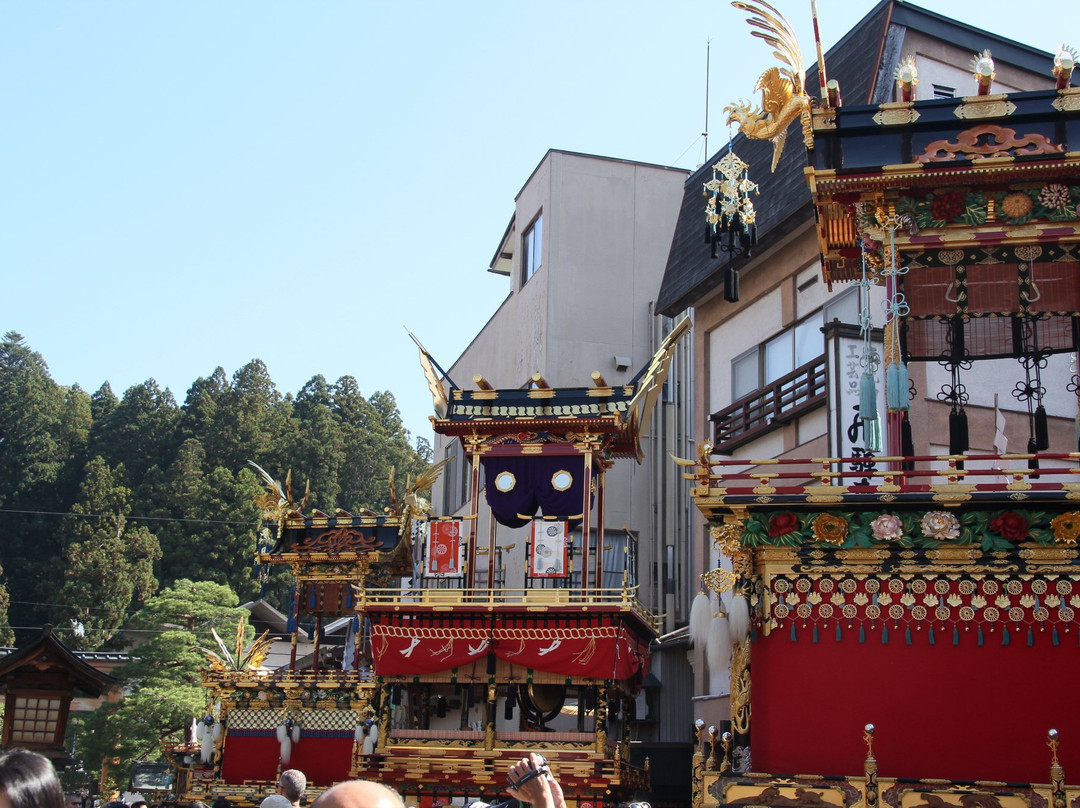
column 532, row 248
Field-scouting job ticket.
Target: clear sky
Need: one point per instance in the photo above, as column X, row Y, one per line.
column 192, row 183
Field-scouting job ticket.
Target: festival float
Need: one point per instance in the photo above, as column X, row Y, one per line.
column 904, row 626
column 464, row 651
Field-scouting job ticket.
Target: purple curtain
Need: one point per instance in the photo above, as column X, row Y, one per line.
column 518, row 486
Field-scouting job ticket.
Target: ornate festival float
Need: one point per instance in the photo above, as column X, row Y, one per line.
column 464, row 651
column 902, row 607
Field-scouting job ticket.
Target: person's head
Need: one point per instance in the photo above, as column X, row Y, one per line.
column 139, row 804
column 28, row 780
column 359, row 794
column 276, row 801
column 72, row 800
column 221, row 802
column 292, row 784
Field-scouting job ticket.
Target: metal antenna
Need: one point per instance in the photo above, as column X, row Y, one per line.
column 705, row 134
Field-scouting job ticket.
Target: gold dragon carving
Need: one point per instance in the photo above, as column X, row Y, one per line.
column 783, row 89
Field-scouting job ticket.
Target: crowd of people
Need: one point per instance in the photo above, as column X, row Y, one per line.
column 28, row 780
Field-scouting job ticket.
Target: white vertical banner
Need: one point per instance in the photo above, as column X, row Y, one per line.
column 550, row 550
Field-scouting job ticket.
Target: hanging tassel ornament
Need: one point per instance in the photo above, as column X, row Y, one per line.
column 700, row 616
column 870, row 361
column 897, row 379
column 739, row 618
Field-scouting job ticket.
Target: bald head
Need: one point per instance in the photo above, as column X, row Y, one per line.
column 359, row 794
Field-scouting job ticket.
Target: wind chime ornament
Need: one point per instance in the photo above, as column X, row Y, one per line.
column 730, row 216
column 207, row 733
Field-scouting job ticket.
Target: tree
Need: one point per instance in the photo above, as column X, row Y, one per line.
column 208, row 521
column 163, row 681
column 251, row 422
column 139, row 432
column 108, row 561
column 317, row 451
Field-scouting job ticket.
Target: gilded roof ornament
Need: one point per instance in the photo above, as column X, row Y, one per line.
column 783, row 89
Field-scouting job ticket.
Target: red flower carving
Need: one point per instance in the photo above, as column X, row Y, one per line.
column 947, row 206
column 783, row 523
column 1010, row 525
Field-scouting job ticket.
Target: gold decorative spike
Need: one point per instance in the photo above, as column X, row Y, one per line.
column 438, row 395
column 652, row 381
column 783, row 89
column 598, row 379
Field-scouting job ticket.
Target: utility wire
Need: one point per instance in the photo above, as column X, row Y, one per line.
column 131, row 518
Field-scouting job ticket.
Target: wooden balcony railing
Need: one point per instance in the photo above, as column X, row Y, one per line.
column 776, row 403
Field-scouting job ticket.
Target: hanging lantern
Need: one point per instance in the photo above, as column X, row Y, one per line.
column 730, row 217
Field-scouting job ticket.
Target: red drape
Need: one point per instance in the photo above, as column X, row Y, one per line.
column 964, row 711
column 601, row 651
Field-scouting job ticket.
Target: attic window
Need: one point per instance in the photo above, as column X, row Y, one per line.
column 943, row 91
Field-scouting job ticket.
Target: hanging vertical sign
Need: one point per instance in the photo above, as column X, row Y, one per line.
column 444, row 547
column 549, row 554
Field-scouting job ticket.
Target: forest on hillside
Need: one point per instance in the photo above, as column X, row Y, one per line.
column 106, row 500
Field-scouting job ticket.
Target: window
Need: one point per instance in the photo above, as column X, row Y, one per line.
column 765, row 363
column 943, row 91
column 532, row 248
column 35, row 720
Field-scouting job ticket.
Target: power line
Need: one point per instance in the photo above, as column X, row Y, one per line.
column 131, row 518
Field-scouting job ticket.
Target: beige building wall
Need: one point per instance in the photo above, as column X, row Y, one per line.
column 607, row 226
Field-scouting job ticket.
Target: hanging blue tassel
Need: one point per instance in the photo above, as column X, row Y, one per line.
column 1031, row 638
column 867, row 397
column 884, row 635
column 955, row 636
column 839, row 636
column 1004, row 636
column 980, row 637
column 1054, row 636
column 896, row 387
column 907, row 635
column 862, row 634
column 930, row 635
column 872, row 435
column 793, row 637
column 815, row 632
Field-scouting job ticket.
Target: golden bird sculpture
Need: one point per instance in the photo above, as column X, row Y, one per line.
column 411, row 505
column 783, row 89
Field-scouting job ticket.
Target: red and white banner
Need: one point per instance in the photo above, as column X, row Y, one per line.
column 600, row 649
column 444, row 547
column 549, row 555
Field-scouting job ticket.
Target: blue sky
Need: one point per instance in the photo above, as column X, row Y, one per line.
column 191, row 184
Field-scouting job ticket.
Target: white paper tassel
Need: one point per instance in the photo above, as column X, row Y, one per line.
column 286, row 749
column 700, row 615
column 369, row 740
column 282, row 733
column 358, row 733
column 296, row 733
column 739, row 618
column 217, row 730
column 373, row 733
column 206, row 746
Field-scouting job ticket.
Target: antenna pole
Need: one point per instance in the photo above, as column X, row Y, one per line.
column 705, row 134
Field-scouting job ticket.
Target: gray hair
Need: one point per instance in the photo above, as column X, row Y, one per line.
column 293, row 784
